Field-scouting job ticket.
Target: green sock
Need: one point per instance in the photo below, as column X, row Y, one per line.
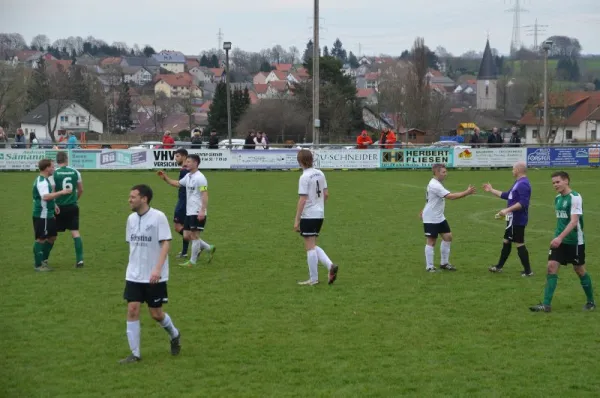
column 47, row 249
column 551, row 282
column 38, row 253
column 586, row 284
column 78, row 249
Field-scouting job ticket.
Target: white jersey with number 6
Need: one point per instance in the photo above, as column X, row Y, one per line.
column 433, row 213
column 312, row 185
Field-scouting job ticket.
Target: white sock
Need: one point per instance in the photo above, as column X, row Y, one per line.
column 313, row 263
column 133, row 336
column 429, row 253
column 203, row 245
column 445, row 250
column 322, row 256
column 195, row 251
column 167, row 324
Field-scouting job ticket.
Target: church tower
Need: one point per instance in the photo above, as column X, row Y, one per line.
column 487, row 80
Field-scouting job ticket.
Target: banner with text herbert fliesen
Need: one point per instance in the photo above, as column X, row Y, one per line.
column 415, row 158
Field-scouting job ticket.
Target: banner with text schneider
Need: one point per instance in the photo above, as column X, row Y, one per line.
column 415, row 158
column 563, row 157
column 209, row 158
column 275, row 159
column 488, row 157
column 347, row 158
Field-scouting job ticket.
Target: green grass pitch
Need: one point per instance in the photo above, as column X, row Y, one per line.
column 386, row 328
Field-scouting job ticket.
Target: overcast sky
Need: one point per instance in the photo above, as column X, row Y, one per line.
column 380, row 26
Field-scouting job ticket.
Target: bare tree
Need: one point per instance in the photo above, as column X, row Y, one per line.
column 281, row 119
column 13, row 94
column 40, row 42
column 60, row 93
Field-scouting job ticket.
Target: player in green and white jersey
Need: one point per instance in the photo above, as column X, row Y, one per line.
column 44, row 209
column 68, row 218
column 568, row 245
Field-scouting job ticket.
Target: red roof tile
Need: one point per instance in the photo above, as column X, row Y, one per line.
column 254, row 98
column 206, row 106
column 110, row 61
column 177, row 80
column 279, row 85
column 218, row 72
column 372, row 76
column 302, row 72
column 585, row 102
column 261, row 88
column 283, row 67
column 364, row 92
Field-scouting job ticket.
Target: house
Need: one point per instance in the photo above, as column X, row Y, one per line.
column 66, row 116
column 438, row 78
column 278, row 89
column 572, row 116
column 173, row 61
column 137, row 75
column 465, row 89
column 87, row 60
column 364, row 61
column 368, row 95
column 200, row 75
column 180, row 85
column 175, row 123
column 261, row 90
column 191, row 62
column 276, row 75
column 110, row 61
column 218, row 74
column 415, row 136
column 372, row 80
column 150, row 64
column 260, row 78
column 287, row 68
column 487, row 80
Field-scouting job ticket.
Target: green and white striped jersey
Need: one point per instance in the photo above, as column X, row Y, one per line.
column 565, row 206
column 42, row 208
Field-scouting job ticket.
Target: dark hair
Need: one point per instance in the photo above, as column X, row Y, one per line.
column 437, row 167
column 61, row 157
column 195, row 158
column 305, row 158
column 182, row 151
column 144, row 190
column 44, row 164
column 563, row 175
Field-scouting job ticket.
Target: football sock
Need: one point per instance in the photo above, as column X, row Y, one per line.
column 133, row 336
column 38, row 253
column 313, row 263
column 506, row 248
column 186, row 245
column 47, row 249
column 322, row 256
column 429, row 253
column 78, row 249
column 203, row 245
column 586, row 284
column 445, row 251
column 195, row 251
column 167, row 324
column 524, row 256
column 551, row 282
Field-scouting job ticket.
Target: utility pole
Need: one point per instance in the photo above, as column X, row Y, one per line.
column 535, row 30
column 316, row 80
column 359, row 50
column 219, row 43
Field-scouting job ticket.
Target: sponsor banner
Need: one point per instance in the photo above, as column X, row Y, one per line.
column 488, row 157
column 266, row 159
column 24, row 159
column 108, row 159
column 209, row 158
column 562, row 157
column 347, row 158
column 415, row 158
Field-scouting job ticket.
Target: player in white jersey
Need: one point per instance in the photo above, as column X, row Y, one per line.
column 434, row 220
column 310, row 213
column 149, row 237
column 195, row 208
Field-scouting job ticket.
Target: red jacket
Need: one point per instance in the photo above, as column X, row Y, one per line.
column 363, row 141
column 168, row 142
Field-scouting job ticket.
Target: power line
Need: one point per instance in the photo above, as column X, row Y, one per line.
column 515, row 42
column 535, row 30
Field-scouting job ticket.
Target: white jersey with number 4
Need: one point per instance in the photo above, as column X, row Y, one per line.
column 312, row 185
column 433, row 213
column 195, row 184
column 144, row 234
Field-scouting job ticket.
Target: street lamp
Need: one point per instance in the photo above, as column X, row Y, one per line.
column 227, row 47
column 546, row 46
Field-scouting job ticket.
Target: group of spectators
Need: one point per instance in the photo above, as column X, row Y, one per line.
column 168, row 142
column 67, row 140
column 495, row 139
column 256, row 140
column 387, row 140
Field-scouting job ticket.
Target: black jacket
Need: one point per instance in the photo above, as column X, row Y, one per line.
column 213, row 142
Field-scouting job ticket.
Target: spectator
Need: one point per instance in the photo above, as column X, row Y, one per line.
column 499, row 138
column 196, row 139
column 168, row 141
column 20, row 142
column 33, row 141
column 3, row 139
column 265, row 140
column 258, row 141
column 492, row 143
column 475, row 138
column 387, row 139
column 249, row 144
column 213, row 141
column 61, row 140
column 515, row 140
column 363, row 140
column 72, row 141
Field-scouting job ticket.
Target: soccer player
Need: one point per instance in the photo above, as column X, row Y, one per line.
column 516, row 215
column 44, row 209
column 434, row 221
column 196, row 203
column 149, row 236
column 179, row 217
column 68, row 217
column 568, row 245
column 310, row 213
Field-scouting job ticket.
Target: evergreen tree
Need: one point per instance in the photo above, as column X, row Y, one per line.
column 265, row 66
column 123, row 112
column 308, row 53
column 214, row 61
column 325, row 51
column 148, row 51
column 338, row 51
column 204, row 61
column 352, row 60
column 246, row 100
column 217, row 113
column 79, row 87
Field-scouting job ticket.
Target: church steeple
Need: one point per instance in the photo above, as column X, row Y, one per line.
column 487, row 69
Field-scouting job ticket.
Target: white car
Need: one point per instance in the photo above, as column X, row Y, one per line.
column 448, row 144
column 236, row 143
column 148, row 145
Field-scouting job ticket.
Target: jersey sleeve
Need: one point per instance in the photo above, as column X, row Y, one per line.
column 439, row 190
column 576, row 205
column 303, row 186
column 183, row 181
column 202, row 184
column 42, row 187
column 504, row 195
column 164, row 231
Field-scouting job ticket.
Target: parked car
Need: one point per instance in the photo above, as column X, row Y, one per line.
column 148, row 145
column 236, row 143
column 448, row 144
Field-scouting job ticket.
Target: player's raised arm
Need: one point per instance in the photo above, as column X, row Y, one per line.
column 171, row 182
column 487, row 187
column 459, row 195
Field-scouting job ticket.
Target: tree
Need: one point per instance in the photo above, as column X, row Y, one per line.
column 11, row 41
column 40, row 41
column 352, row 60
column 214, row 61
column 567, row 68
column 338, row 51
column 204, row 61
column 432, row 60
column 308, row 53
column 79, row 86
column 122, row 118
column 13, row 95
column 281, row 119
column 148, row 51
column 564, row 46
column 325, row 51
column 266, row 67
column 217, row 113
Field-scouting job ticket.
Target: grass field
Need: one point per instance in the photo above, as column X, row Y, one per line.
column 385, row 328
